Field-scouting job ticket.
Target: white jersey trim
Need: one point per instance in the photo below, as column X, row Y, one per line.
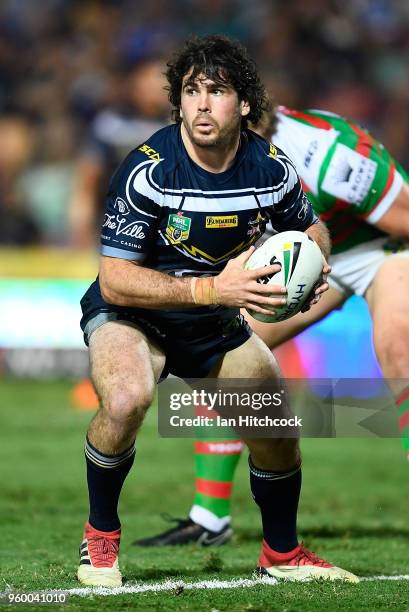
column 384, row 205
column 234, row 199
column 137, row 171
column 110, row 251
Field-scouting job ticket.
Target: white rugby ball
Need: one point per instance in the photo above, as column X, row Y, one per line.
column 301, row 268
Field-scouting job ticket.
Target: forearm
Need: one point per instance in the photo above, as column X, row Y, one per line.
column 320, row 234
column 126, row 284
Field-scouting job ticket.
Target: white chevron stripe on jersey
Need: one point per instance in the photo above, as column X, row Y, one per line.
column 207, row 201
column 137, row 169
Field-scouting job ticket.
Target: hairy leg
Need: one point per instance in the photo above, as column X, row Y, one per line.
column 388, row 300
column 275, row 463
column 125, row 367
column 216, row 460
column 253, row 360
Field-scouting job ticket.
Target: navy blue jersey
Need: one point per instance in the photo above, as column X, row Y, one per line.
column 168, row 213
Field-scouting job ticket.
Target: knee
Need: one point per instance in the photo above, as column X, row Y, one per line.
column 277, row 455
column 128, row 403
column 287, row 452
column 391, row 343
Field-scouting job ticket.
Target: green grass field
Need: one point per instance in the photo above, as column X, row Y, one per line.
column 354, row 512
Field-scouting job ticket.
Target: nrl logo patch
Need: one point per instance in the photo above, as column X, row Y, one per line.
column 178, row 228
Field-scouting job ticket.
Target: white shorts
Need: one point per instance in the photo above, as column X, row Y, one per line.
column 354, row 269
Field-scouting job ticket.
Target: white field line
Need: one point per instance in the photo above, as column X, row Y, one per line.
column 179, row 585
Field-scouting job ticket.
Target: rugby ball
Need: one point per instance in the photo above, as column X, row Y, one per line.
column 301, row 269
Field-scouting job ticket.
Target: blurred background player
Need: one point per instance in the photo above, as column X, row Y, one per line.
column 362, row 194
column 16, row 137
column 140, row 110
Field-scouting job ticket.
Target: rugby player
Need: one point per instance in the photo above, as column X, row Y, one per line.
column 169, row 291
column 362, row 194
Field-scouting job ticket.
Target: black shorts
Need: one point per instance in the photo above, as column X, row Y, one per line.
column 193, row 340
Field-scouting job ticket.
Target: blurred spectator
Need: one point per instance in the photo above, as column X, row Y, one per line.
column 46, row 185
column 62, row 68
column 141, row 110
column 16, row 147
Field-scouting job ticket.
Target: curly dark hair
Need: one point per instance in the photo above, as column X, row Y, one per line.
column 224, row 61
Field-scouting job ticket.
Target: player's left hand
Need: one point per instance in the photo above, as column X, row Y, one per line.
column 320, row 287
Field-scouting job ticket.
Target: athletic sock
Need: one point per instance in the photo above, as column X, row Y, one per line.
column 277, row 495
column 402, row 403
column 215, row 463
column 106, row 475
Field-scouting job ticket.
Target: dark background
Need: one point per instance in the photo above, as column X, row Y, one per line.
column 62, row 62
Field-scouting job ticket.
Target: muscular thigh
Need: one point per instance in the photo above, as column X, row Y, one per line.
column 254, row 360
column 250, row 360
column 388, row 295
column 388, row 301
column 275, row 334
column 122, row 357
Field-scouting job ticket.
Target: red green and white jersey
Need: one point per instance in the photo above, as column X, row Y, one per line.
column 349, row 177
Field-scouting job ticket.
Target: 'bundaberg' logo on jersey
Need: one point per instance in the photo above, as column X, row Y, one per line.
column 178, row 228
column 218, row 221
column 289, row 267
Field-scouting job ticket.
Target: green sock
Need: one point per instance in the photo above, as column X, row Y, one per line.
column 215, row 463
column 402, row 403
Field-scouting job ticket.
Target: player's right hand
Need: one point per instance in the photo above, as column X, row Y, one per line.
column 237, row 287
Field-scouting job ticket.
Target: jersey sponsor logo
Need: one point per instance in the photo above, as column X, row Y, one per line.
column 110, row 221
column 312, row 149
column 151, row 153
column 178, row 228
column 273, row 152
column 215, row 221
column 134, row 229
column 349, row 176
column 121, row 206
